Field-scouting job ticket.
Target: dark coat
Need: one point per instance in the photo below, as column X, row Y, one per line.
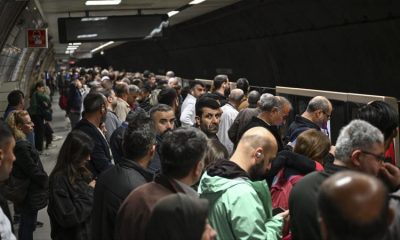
column 112, row 187
column 257, row 122
column 241, row 120
column 116, row 142
column 74, row 99
column 28, row 165
column 221, row 98
column 135, row 211
column 299, row 125
column 100, row 158
column 70, row 208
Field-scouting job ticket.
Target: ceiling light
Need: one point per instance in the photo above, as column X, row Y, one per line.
column 87, row 35
column 194, row 2
column 102, row 46
column 104, row 2
column 77, row 44
column 172, row 13
column 72, row 47
column 94, row 19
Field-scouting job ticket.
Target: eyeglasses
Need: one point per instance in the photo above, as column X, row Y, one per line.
column 381, row 158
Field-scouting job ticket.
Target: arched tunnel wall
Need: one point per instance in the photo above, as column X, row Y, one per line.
column 349, row 46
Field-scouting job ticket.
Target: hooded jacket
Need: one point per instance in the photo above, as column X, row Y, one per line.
column 239, row 208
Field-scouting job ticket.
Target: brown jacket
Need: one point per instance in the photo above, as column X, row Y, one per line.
column 135, row 211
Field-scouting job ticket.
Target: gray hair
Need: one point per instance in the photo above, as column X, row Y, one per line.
column 134, row 89
column 317, row 103
column 268, row 102
column 358, row 134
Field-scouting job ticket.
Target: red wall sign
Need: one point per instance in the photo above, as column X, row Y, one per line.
column 37, row 38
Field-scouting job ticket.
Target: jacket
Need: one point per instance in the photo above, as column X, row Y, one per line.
column 100, row 157
column 70, row 208
column 299, row 125
column 135, row 211
column 112, row 122
column 28, row 165
column 240, row 122
column 239, row 207
column 38, row 101
column 74, row 99
column 112, row 187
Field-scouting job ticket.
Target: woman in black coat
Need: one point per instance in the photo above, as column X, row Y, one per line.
column 27, row 167
column 71, row 189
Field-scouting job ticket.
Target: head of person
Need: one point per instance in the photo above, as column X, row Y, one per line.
column 110, row 96
column 197, row 88
column 169, row 74
column 122, row 90
column 152, row 80
column 7, row 157
column 353, row 206
column 173, row 82
column 221, row 82
column 256, row 150
column 20, row 124
column 169, row 96
column 360, row 147
column 235, row 97
column 16, row 99
column 208, row 114
column 107, row 83
column 134, row 92
column 139, row 139
column 243, row 83
column 180, row 217
column 163, row 117
column 274, row 109
column 74, row 156
column 215, row 152
column 95, row 106
column 253, row 98
column 39, row 87
column 145, row 92
column 182, row 154
column 320, row 110
column 383, row 116
column 313, row 144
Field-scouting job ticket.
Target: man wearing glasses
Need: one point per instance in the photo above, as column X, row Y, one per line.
column 316, row 116
column 359, row 147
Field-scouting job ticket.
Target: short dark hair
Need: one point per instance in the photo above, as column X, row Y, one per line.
column 39, row 84
column 93, row 102
column 167, row 96
column 15, row 97
column 139, row 137
column 159, row 108
column 253, row 98
column 208, row 102
column 106, row 92
column 181, row 150
column 243, row 83
column 121, row 89
column 381, row 115
column 219, row 80
column 194, row 83
column 5, row 133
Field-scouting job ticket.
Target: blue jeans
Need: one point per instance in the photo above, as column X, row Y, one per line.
column 27, row 224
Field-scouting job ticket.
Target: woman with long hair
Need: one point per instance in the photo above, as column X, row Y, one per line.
column 71, row 189
column 27, row 167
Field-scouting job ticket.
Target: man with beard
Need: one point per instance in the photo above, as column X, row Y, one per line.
column 163, row 118
column 95, row 113
column 221, row 88
column 239, row 198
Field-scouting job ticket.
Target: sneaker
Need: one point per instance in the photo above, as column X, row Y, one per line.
column 56, row 138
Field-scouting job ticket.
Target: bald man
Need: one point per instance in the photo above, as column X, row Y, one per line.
column 229, row 113
column 240, row 205
column 316, row 116
column 353, row 205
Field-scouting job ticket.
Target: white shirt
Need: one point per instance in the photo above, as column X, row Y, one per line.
column 229, row 114
column 188, row 111
column 5, row 227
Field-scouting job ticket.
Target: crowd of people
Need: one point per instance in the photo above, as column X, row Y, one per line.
column 148, row 158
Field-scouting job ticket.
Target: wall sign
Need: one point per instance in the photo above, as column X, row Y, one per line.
column 37, row 38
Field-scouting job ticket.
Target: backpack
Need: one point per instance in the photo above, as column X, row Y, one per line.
column 63, row 102
column 281, row 188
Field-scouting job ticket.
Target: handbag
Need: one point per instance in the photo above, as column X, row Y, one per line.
column 15, row 189
column 45, row 112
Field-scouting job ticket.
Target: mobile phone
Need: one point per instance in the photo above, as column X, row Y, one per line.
column 277, row 211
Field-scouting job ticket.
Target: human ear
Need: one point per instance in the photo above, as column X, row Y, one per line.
column 355, row 158
column 197, row 118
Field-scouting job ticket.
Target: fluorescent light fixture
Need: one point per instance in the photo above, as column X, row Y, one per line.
column 94, row 19
column 102, row 46
column 103, row 2
column 172, row 13
column 77, row 44
column 194, row 2
column 74, row 47
column 92, row 35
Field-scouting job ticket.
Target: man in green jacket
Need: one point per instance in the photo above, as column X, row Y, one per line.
column 238, row 194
